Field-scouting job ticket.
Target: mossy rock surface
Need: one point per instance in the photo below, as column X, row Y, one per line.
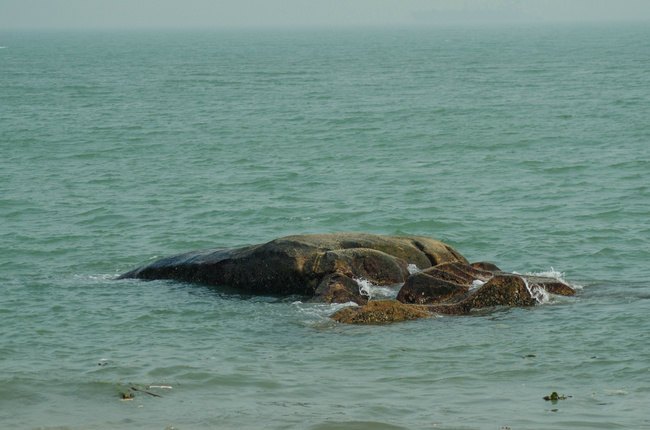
column 381, row 312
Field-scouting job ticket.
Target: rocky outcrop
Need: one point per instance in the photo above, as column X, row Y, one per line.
column 300, row 264
column 488, row 289
column 503, row 289
column 434, row 277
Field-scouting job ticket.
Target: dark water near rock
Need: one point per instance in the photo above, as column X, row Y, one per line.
column 527, row 147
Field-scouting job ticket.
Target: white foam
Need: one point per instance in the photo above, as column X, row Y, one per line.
column 371, row 291
column 537, row 292
column 365, row 287
column 319, row 312
column 326, row 307
column 555, row 274
column 476, row 283
column 549, row 274
column 413, row 269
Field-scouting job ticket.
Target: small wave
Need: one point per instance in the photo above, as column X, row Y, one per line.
column 317, row 314
column 552, row 273
column 538, row 292
column 96, row 278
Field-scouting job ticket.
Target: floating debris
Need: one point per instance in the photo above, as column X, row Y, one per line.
column 127, row 395
column 554, row 397
column 145, row 391
column 128, row 392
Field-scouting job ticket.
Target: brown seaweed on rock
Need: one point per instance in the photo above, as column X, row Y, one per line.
column 381, row 312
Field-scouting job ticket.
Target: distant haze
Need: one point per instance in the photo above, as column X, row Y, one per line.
column 307, row 13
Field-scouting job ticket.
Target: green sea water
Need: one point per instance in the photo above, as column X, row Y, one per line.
column 525, row 146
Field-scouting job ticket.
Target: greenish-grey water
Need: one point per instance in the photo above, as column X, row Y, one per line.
column 527, row 147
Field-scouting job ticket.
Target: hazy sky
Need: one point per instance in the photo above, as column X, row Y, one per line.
column 256, row 13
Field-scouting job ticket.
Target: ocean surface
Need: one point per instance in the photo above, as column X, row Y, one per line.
column 525, row 146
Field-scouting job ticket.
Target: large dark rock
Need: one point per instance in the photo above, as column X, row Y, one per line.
column 300, row 264
column 430, row 287
column 326, row 268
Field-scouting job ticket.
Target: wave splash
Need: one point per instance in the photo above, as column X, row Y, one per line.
column 372, row 291
column 555, row 274
column 537, row 292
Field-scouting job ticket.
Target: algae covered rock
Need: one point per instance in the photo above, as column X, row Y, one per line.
column 502, row 290
column 444, row 290
column 381, row 312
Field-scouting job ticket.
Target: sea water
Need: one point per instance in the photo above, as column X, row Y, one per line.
column 523, row 146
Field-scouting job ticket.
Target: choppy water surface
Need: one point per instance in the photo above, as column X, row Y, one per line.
column 527, row 147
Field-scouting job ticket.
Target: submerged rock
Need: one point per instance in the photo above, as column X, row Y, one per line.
column 435, row 278
column 381, row 312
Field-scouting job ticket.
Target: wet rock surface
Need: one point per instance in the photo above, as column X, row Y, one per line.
column 338, row 288
column 298, row 264
column 429, row 288
column 381, row 312
column 434, row 277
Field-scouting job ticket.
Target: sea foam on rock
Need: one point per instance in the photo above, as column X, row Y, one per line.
column 326, row 267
